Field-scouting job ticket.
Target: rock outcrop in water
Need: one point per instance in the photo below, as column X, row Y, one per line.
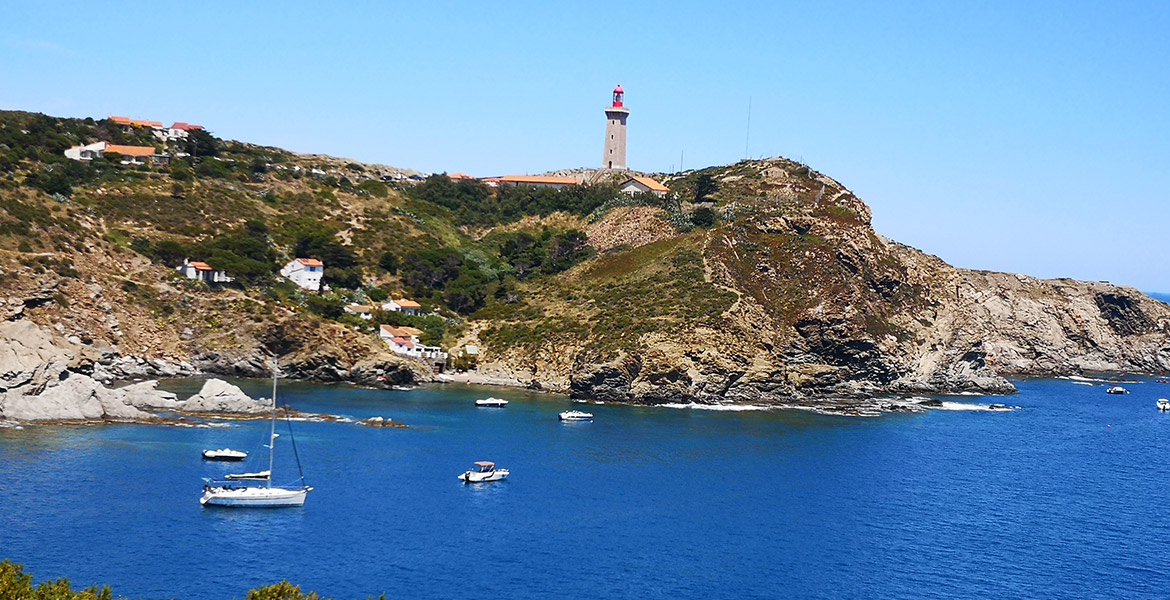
column 219, row 396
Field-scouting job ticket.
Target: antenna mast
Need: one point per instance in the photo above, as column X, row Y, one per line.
column 748, row 137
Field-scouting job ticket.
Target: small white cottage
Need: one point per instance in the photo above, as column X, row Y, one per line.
column 305, row 272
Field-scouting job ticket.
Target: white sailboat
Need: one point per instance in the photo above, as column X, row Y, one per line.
column 266, row 495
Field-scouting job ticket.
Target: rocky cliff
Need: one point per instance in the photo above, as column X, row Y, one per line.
column 792, row 297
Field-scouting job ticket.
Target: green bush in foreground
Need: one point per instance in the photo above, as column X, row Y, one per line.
column 16, row 585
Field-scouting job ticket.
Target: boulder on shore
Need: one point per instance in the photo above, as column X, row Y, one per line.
column 219, row 396
column 44, row 377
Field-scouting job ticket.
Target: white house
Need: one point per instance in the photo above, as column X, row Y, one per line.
column 362, row 310
column 201, row 271
column 403, row 341
column 305, row 272
column 643, row 185
column 87, row 152
column 407, row 307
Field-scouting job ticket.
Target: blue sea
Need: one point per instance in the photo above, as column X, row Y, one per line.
column 1065, row 498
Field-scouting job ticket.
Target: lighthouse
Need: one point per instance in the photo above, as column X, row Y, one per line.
column 615, row 133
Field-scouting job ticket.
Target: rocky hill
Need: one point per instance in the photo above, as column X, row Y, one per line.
column 757, row 282
column 792, row 297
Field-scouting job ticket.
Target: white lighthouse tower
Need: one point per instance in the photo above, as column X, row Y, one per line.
column 615, row 133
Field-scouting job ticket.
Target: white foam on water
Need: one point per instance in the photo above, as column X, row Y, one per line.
column 719, row 407
column 972, row 407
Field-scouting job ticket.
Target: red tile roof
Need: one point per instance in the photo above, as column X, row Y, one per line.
column 130, row 150
column 403, row 342
column 404, row 303
column 201, row 266
column 138, row 122
column 310, row 262
column 537, row 180
column 186, row 126
column 654, row 186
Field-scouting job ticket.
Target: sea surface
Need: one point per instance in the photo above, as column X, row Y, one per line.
column 1066, row 497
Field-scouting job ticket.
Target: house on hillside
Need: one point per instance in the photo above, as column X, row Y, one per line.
column 305, row 272
column 404, row 341
column 403, row 305
column 364, row 311
column 176, row 132
column 201, row 271
column 133, row 155
column 87, row 152
column 643, row 185
column 460, row 177
column 541, row 181
column 129, row 124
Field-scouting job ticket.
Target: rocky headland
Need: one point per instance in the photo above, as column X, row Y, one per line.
column 761, row 282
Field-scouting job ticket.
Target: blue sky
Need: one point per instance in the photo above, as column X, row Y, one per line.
column 1026, row 137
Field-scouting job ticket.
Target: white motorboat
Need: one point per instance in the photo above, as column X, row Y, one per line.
column 491, row 403
column 258, row 476
column 576, row 415
column 224, row 454
column 266, row 495
column 1163, row 404
column 483, row 472
column 1117, row 389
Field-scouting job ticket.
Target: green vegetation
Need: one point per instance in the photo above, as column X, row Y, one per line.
column 15, row 584
column 474, row 203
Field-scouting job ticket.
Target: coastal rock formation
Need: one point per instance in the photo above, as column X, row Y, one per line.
column 43, row 378
column 793, row 298
column 219, row 396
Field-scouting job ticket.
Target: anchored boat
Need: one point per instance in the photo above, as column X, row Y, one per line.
column 224, row 454
column 266, row 495
column 576, row 415
column 483, row 472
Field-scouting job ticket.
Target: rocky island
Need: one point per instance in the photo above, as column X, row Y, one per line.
column 761, row 282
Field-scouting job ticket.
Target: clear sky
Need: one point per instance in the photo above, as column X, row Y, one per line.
column 1026, row 137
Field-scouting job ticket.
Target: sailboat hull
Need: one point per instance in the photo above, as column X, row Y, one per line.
column 254, row 497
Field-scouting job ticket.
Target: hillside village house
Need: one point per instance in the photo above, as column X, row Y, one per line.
column 540, row 181
column 364, row 311
column 131, row 155
column 201, row 271
column 128, row 124
column 406, row 307
column 403, row 341
column 643, row 185
column 87, row 152
column 178, row 131
column 305, row 272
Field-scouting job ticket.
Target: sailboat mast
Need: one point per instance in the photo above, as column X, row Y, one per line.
column 272, row 430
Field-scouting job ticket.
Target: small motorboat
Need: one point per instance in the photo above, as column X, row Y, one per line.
column 1117, row 389
column 1163, row 404
column 483, row 472
column 259, row 476
column 224, row 454
column 576, row 415
column 491, row 403
column 999, row 408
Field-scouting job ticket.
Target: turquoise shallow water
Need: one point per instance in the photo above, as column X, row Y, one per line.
column 1065, row 498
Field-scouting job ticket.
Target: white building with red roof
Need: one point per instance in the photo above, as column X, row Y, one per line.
column 305, row 272
column 403, row 305
column 201, row 271
column 643, row 185
column 404, row 341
